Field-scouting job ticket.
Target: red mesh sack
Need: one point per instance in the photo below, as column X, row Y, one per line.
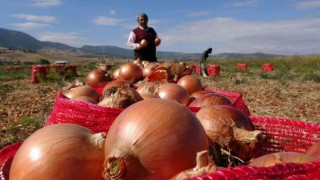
column 6, row 157
column 267, row 67
column 38, row 73
column 97, row 118
column 242, row 67
column 282, row 135
column 197, row 69
column 213, row 70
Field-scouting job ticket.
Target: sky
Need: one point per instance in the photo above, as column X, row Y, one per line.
column 284, row 27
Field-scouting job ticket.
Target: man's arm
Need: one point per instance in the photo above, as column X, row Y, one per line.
column 131, row 41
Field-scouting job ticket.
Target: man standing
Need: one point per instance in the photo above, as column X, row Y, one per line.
column 143, row 40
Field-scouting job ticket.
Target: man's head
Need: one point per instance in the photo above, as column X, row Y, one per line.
column 143, row 20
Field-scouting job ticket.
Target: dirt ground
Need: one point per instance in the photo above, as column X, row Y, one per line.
column 290, row 100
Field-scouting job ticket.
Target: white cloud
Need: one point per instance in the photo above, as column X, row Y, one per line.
column 199, row 13
column 105, row 21
column 246, row 3
column 45, row 3
column 231, row 35
column 30, row 25
column 29, row 17
column 308, row 4
column 71, row 38
column 112, row 12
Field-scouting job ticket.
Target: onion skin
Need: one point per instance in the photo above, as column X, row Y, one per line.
column 153, row 139
column 314, row 151
column 190, row 83
column 84, row 90
column 230, row 128
column 60, row 151
column 210, row 99
column 85, row 99
column 281, row 157
column 98, row 77
column 172, row 91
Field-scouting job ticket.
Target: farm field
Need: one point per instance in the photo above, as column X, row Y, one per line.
column 291, row 91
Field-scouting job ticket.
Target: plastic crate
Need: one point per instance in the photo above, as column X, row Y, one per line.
column 283, row 135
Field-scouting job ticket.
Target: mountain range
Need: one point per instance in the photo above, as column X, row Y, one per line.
column 20, row 40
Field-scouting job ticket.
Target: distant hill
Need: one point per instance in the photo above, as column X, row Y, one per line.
column 19, row 40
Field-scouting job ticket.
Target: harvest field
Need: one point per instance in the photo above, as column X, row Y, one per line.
column 291, row 91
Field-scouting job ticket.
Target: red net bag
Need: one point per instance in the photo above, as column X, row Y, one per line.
column 242, row 67
column 282, row 135
column 267, row 67
column 6, row 157
column 97, row 118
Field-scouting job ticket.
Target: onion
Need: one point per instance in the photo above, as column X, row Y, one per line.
column 119, row 97
column 115, row 73
column 130, row 72
column 149, row 88
column 280, row 157
column 157, row 41
column 314, row 151
column 153, row 139
column 210, row 99
column 98, row 77
column 174, row 92
column 190, row 83
column 84, row 90
column 197, row 94
column 229, row 128
column 60, row 151
column 85, row 99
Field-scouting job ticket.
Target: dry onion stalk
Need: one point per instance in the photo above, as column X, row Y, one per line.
column 120, row 97
column 232, row 137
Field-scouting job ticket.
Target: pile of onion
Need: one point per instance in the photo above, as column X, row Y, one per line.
column 231, row 134
column 60, row 151
column 281, row 157
column 153, row 139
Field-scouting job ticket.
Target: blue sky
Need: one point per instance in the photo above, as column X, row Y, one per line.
column 289, row 27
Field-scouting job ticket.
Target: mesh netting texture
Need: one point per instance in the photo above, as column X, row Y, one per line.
column 283, row 135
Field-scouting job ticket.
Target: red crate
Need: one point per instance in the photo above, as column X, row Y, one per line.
column 242, row 67
column 267, row 67
column 283, row 135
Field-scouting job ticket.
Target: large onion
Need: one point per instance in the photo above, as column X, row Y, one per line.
column 60, row 151
column 280, row 157
column 84, row 90
column 229, row 128
column 174, row 92
column 153, row 139
column 190, row 83
column 130, row 72
column 98, row 77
